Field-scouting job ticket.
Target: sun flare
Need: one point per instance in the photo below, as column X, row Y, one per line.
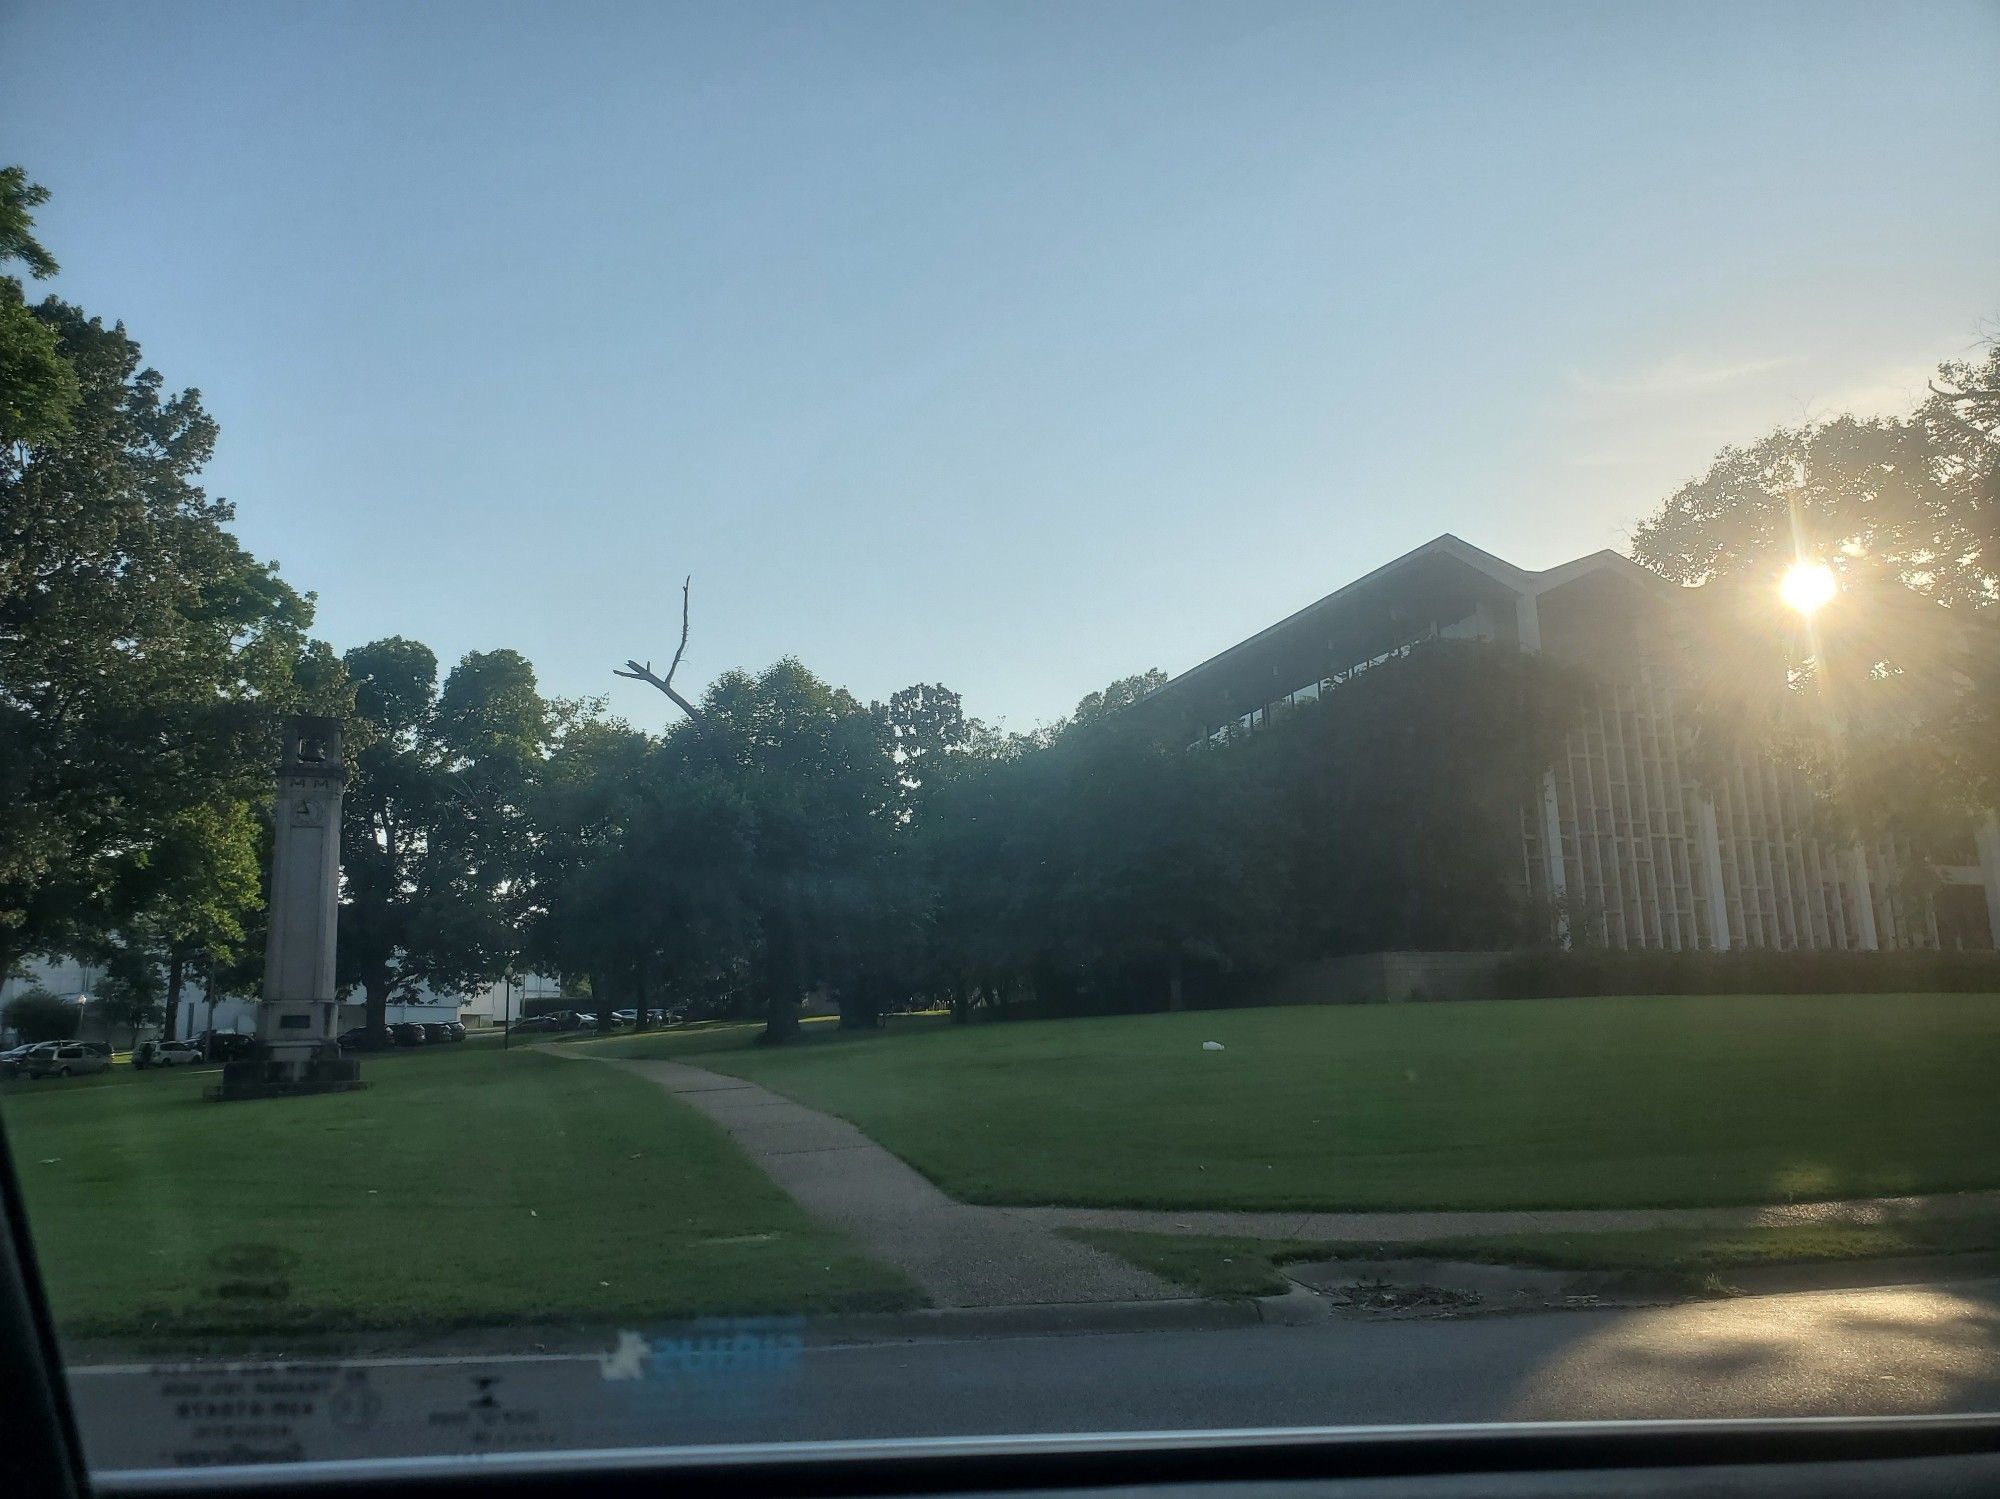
column 1808, row 586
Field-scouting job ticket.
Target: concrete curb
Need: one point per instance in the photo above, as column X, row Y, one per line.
column 1377, row 1227
column 1296, row 1307
column 1192, row 1314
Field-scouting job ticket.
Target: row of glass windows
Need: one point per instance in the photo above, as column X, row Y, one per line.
column 1257, row 718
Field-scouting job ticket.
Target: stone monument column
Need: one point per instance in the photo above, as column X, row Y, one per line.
column 298, row 1018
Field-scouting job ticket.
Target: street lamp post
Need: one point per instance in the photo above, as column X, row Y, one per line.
column 507, row 1012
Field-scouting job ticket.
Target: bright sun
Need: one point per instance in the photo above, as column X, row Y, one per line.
column 1807, row 586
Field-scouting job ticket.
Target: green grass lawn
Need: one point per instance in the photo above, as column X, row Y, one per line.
column 1215, row 1265
column 464, row 1186
column 1529, row 1104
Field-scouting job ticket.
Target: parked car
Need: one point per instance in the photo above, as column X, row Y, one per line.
column 408, row 1033
column 13, row 1062
column 455, row 1029
column 436, row 1032
column 568, row 1020
column 166, row 1054
column 65, row 1059
column 535, row 1025
column 224, row 1046
column 360, row 1038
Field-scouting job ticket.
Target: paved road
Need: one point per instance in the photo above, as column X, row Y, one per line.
column 1896, row 1350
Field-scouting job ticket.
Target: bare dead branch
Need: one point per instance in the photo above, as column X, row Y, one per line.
column 639, row 673
column 681, row 649
column 1974, row 394
column 1977, row 398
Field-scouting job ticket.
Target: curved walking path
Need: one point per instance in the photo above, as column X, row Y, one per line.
column 969, row 1256
column 962, row 1256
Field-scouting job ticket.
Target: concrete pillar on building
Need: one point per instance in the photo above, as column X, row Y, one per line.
column 1987, row 841
column 1528, row 622
column 1528, row 629
column 1709, row 841
column 1552, row 856
column 1864, row 899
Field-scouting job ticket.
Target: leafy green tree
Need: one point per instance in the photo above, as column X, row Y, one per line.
column 1915, row 498
column 816, row 775
column 1906, row 660
column 434, row 823
column 576, row 918
column 808, row 781
column 1111, row 868
column 1404, row 829
column 1095, row 707
column 131, row 993
column 37, row 1015
column 193, row 892
column 38, row 388
column 970, row 844
column 926, row 725
column 146, row 660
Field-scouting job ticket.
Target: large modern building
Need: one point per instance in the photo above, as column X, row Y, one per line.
column 1625, row 837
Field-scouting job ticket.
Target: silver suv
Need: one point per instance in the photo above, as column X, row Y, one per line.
column 65, row 1059
column 165, row 1054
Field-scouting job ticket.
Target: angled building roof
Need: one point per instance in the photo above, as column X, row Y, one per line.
column 1445, row 578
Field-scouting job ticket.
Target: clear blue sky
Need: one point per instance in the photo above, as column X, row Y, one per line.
column 1009, row 345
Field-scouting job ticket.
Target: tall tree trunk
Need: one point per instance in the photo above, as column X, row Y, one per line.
column 208, row 1031
column 605, row 1024
column 1176, row 991
column 785, row 973
column 375, row 985
column 176, row 971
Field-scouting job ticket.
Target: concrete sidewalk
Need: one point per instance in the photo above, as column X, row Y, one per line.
column 1376, row 1228
column 967, row 1256
column 962, row 1256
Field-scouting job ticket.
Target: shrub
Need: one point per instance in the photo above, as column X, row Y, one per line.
column 37, row 1015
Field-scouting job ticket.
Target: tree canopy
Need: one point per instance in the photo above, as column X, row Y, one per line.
column 1916, row 498
column 434, row 838
column 146, row 659
column 1892, row 697
column 38, row 386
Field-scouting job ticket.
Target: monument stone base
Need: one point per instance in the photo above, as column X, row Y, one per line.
column 296, row 1054
column 268, row 1077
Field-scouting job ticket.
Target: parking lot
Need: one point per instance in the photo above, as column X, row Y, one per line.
column 48, row 1064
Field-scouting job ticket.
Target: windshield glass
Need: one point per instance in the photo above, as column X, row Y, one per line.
column 787, row 723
